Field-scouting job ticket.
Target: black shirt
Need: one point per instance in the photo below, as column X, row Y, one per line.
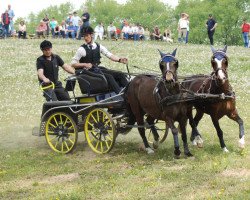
column 50, row 67
column 210, row 24
column 87, row 16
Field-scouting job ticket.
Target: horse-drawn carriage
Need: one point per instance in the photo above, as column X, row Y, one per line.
column 102, row 114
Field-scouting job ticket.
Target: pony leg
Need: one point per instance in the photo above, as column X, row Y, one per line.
column 196, row 136
column 141, row 130
column 183, row 125
column 174, row 130
column 220, row 134
column 234, row 116
column 150, row 121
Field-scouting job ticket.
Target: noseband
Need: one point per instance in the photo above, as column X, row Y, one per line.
column 219, row 55
column 167, row 59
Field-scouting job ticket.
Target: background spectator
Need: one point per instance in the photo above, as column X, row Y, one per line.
column 62, row 29
column 182, row 28
column 85, row 17
column 6, row 22
column 187, row 29
column 75, row 20
column 167, row 36
column 71, row 31
column 22, row 30
column 245, row 28
column 157, row 34
column 111, row 31
column 11, row 16
column 211, row 25
column 135, row 32
column 125, row 31
column 41, row 29
column 52, row 24
column 99, row 31
column 141, row 32
column 46, row 21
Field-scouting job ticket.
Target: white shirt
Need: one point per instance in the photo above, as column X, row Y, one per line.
column 111, row 28
column 135, row 29
column 75, row 20
column 82, row 53
column 141, row 31
column 99, row 29
column 183, row 23
column 125, row 29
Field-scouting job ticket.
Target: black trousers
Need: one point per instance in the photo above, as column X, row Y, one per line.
column 210, row 36
column 116, row 79
column 57, row 94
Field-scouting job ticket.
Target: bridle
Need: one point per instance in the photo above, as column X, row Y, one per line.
column 168, row 58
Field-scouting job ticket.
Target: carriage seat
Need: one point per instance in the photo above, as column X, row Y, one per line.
column 90, row 82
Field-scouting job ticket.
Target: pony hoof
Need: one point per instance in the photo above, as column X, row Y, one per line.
column 194, row 143
column 199, row 141
column 188, row 154
column 155, row 144
column 242, row 143
column 225, row 150
column 149, row 150
column 177, row 153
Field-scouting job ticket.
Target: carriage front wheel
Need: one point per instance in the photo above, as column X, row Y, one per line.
column 100, row 131
column 61, row 132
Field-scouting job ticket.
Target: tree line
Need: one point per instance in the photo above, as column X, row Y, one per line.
column 228, row 14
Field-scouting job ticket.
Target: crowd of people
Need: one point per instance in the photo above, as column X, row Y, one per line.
column 71, row 27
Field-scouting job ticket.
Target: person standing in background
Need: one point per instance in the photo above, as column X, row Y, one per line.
column 11, row 16
column 46, row 21
column 245, row 28
column 211, row 25
column 182, row 28
column 6, row 23
column 85, row 18
column 187, row 28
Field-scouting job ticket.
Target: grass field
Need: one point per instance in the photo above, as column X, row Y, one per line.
column 30, row 170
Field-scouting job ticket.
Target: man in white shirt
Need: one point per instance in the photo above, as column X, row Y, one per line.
column 88, row 57
column 182, row 28
column 99, row 31
column 111, row 31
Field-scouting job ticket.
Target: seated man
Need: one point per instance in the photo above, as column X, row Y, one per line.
column 157, row 34
column 47, row 71
column 111, row 31
column 22, row 30
column 41, row 29
column 71, row 31
column 88, row 57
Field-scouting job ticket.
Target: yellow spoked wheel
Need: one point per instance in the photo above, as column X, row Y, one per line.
column 162, row 130
column 100, row 131
column 61, row 132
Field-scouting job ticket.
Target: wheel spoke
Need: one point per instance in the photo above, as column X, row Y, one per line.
column 71, row 141
column 50, row 139
column 56, row 144
column 107, row 144
column 65, row 121
column 66, row 145
column 93, row 117
column 61, row 121
column 55, row 120
column 97, row 144
column 52, row 125
column 62, row 147
column 91, row 124
column 101, row 147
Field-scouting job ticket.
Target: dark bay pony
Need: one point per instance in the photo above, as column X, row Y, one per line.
column 217, row 83
column 142, row 98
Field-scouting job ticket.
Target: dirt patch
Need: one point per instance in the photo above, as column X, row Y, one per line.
column 26, row 183
column 237, row 173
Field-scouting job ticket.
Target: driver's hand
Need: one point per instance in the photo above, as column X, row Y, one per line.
column 46, row 80
column 124, row 60
column 88, row 65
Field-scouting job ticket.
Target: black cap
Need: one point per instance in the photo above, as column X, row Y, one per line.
column 87, row 30
column 45, row 45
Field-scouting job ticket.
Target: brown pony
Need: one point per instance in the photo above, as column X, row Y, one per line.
column 217, row 83
column 143, row 96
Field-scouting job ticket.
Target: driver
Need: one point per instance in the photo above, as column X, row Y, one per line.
column 88, row 57
column 47, row 71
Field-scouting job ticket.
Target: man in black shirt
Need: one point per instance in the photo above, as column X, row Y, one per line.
column 47, row 70
column 211, row 25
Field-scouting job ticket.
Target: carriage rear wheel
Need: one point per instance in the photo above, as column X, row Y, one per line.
column 162, row 129
column 100, row 131
column 61, row 132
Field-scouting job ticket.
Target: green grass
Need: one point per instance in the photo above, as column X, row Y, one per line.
column 30, row 170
